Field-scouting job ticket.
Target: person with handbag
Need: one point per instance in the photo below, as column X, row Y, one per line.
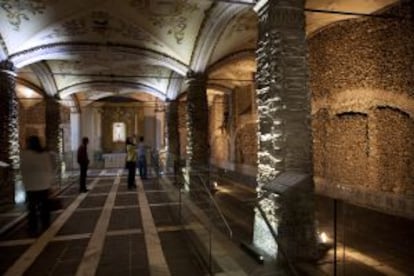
column 37, row 175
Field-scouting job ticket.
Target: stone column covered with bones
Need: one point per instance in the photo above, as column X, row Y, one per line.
column 173, row 135
column 197, row 127
column 54, row 138
column 284, row 135
column 9, row 133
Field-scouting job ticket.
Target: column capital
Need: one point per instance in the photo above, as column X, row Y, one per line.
column 170, row 103
column 260, row 6
column 195, row 77
column 55, row 97
column 7, row 67
column 281, row 13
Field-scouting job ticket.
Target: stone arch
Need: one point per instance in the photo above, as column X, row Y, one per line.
column 363, row 100
column 365, row 138
column 220, row 16
column 114, row 84
column 67, row 50
column 44, row 74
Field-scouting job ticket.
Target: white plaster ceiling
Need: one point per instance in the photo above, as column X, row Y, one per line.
column 98, row 48
column 28, row 75
column 243, row 25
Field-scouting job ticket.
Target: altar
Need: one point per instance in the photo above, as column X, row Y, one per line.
column 114, row 160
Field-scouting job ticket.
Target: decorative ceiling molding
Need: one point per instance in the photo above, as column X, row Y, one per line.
column 112, row 85
column 242, row 55
column 220, row 15
column 43, row 73
column 173, row 18
column 73, row 50
column 174, row 86
column 103, row 25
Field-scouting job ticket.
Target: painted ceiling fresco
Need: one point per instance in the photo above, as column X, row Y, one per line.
column 96, row 48
column 69, row 73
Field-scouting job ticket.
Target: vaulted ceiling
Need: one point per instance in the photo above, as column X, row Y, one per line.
column 82, row 51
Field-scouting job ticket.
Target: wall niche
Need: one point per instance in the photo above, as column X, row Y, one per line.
column 129, row 115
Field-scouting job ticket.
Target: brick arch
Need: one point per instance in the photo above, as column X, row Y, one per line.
column 365, row 139
column 394, row 150
column 363, row 100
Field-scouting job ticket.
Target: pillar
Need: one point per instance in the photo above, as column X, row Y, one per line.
column 173, row 135
column 285, row 141
column 197, row 126
column 9, row 132
column 54, row 139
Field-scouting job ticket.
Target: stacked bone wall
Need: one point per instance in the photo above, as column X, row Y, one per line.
column 361, row 79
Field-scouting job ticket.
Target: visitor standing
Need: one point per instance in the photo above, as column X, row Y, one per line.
column 142, row 159
column 130, row 162
column 83, row 162
column 38, row 176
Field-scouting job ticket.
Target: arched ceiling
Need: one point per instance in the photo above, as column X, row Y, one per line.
column 87, row 50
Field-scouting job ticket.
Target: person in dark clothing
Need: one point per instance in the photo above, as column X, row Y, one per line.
column 83, row 162
column 142, row 159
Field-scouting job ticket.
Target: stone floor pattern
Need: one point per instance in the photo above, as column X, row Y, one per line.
column 115, row 231
column 108, row 231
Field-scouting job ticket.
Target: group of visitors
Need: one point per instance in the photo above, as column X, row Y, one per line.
column 135, row 158
column 38, row 175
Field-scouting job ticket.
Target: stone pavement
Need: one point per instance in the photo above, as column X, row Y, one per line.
column 108, row 231
column 115, row 231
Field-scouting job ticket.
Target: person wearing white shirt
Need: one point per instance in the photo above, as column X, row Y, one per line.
column 38, row 176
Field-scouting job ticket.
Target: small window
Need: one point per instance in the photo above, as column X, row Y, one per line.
column 118, row 132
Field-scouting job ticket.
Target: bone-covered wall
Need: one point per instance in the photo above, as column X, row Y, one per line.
column 362, row 88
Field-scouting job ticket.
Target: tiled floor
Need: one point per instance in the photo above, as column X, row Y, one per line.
column 108, row 231
column 115, row 231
